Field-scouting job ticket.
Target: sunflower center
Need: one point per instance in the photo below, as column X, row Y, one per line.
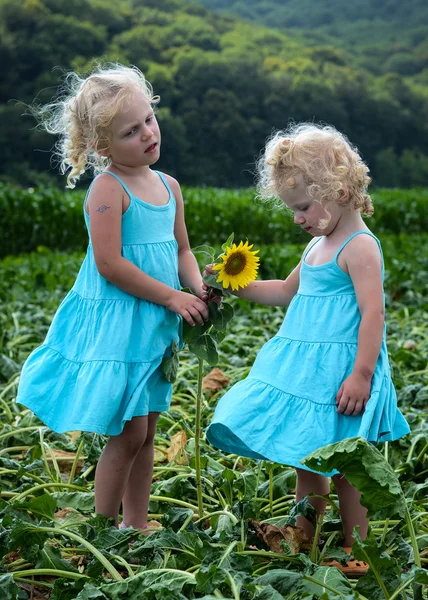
column 235, row 263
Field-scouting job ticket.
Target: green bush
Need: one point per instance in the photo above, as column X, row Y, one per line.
column 54, row 218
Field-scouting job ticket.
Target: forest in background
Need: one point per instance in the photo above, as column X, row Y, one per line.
column 224, row 82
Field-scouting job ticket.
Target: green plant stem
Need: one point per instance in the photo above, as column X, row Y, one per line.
column 98, row 555
column 37, row 488
column 198, row 440
column 219, row 512
column 13, row 449
column 174, row 501
column 314, row 550
column 8, row 434
column 413, row 540
column 50, row 572
column 75, row 462
column 233, row 587
column 271, row 490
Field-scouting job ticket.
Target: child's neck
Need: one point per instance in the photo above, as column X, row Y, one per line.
column 350, row 222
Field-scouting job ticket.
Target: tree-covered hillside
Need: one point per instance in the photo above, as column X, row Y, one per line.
column 381, row 36
column 224, row 83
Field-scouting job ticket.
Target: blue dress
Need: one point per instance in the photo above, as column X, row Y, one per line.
column 286, row 407
column 99, row 365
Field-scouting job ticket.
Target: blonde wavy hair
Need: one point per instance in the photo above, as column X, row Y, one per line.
column 329, row 164
column 82, row 113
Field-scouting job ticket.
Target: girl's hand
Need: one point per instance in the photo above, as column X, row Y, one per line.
column 209, row 295
column 353, row 395
column 190, row 307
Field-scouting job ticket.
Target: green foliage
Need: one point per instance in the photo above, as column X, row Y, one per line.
column 217, row 556
column 31, row 219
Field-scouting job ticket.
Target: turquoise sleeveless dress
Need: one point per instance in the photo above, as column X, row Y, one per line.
column 286, row 407
column 99, row 365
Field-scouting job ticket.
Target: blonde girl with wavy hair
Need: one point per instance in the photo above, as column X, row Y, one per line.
column 99, row 368
column 325, row 375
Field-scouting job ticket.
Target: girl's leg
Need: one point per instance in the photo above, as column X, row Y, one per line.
column 135, row 502
column 114, row 466
column 351, row 511
column 307, row 483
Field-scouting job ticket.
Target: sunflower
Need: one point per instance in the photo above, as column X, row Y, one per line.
column 239, row 266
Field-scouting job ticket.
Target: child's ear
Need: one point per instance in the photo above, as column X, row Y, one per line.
column 104, row 152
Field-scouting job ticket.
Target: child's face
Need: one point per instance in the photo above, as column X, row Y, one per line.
column 309, row 214
column 135, row 135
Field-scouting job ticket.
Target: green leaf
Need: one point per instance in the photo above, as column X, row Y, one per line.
column 281, row 580
column 205, row 252
column 157, row 581
column 220, row 315
column 50, row 558
column 383, row 577
column 303, row 508
column 90, row 592
column 169, row 366
column 8, row 588
column 228, row 242
column 246, row 484
column 329, row 576
column 366, row 469
column 82, row 501
column 268, row 593
column 205, row 348
column 44, row 505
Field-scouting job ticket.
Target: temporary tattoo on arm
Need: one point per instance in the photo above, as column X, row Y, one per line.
column 102, row 208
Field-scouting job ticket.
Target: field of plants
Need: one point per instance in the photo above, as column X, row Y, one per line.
column 223, row 525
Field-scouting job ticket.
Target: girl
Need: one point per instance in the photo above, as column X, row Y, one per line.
column 99, row 368
column 325, row 375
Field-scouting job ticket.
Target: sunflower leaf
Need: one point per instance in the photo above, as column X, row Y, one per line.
column 228, row 242
column 205, row 347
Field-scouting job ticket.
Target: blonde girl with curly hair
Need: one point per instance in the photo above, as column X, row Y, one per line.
column 99, row 368
column 325, row 375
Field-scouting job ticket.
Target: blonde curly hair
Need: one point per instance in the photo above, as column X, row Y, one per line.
column 330, row 166
column 82, row 115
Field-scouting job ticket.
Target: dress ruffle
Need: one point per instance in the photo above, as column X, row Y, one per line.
column 118, row 390
column 271, row 415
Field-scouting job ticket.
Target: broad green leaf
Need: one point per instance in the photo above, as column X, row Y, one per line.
column 366, row 469
column 82, row 501
column 268, row 593
column 303, row 508
column 220, row 315
column 90, row 592
column 170, row 367
column 8, row 588
column 205, row 348
column 329, row 576
column 50, row 558
column 281, row 580
column 384, row 570
column 206, row 253
column 157, row 581
column 44, row 505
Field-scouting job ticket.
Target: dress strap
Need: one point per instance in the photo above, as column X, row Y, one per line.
column 354, row 235
column 125, row 187
column 164, row 181
column 310, row 246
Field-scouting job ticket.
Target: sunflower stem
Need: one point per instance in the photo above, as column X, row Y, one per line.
column 198, row 440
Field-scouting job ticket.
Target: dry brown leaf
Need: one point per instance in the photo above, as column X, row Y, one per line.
column 74, row 435
column 214, row 381
column 160, row 456
column 176, row 450
column 273, row 536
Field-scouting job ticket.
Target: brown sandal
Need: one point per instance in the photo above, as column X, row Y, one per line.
column 353, row 568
